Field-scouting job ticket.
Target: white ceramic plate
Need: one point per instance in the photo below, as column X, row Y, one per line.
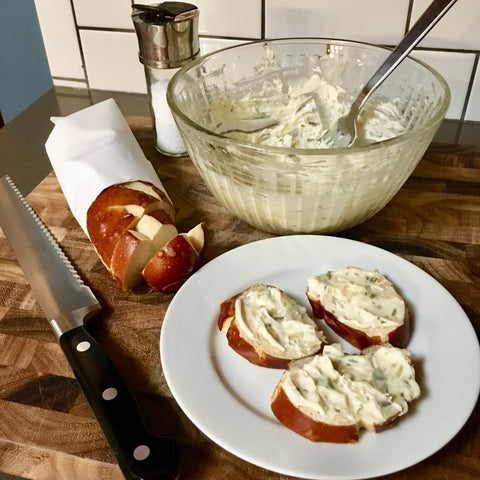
column 229, row 399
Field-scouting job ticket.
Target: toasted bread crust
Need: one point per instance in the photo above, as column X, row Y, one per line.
column 398, row 337
column 380, row 427
column 331, row 396
column 235, row 340
column 247, row 351
column 227, row 311
column 129, row 224
column 287, row 413
column 110, row 229
column 168, row 269
column 119, row 267
column 108, row 219
column 362, row 306
column 254, row 350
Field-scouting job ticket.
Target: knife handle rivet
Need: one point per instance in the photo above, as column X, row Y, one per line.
column 109, row 393
column 83, row 346
column 141, row 452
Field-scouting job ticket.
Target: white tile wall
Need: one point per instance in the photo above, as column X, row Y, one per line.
column 60, row 38
column 208, row 45
column 111, row 60
column 348, row 19
column 103, row 13
column 230, row 18
column 92, row 42
column 457, row 69
column 458, row 29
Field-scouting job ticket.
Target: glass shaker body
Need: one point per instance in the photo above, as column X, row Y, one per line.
column 166, row 135
column 168, row 39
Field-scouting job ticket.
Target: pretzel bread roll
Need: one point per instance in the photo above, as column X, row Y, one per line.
column 176, row 260
column 128, row 224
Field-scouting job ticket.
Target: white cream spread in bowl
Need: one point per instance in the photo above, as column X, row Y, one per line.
column 302, row 112
column 284, row 179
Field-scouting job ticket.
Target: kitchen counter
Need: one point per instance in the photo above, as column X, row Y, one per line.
column 27, row 163
column 47, row 430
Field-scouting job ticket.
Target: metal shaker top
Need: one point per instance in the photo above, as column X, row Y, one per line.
column 167, row 33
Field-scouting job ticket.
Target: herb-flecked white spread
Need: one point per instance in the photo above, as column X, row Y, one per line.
column 274, row 322
column 361, row 299
column 367, row 390
column 303, row 110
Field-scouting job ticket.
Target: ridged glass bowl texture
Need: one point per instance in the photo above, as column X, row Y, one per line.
column 291, row 190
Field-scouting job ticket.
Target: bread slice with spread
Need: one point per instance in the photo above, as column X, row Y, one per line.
column 330, row 397
column 268, row 327
column 361, row 306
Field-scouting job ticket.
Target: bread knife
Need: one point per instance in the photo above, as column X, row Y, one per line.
column 67, row 303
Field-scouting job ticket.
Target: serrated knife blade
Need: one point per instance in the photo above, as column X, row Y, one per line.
column 67, row 302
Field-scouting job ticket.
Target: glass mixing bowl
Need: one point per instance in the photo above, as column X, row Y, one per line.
column 287, row 186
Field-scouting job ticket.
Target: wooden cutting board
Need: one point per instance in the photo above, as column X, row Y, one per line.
column 47, row 430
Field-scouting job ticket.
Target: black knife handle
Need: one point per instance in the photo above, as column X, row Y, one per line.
column 140, row 454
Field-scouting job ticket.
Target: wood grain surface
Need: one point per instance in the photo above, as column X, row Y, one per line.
column 47, row 430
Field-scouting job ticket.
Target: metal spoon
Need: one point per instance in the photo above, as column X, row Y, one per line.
column 344, row 133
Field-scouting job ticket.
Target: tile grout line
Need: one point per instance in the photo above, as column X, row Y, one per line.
column 262, row 20
column 473, row 74
column 409, row 16
column 80, row 46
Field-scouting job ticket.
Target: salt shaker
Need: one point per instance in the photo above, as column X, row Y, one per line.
column 168, row 39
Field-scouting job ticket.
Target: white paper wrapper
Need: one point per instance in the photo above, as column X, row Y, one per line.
column 92, row 149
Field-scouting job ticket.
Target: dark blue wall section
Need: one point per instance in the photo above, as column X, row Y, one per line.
column 24, row 72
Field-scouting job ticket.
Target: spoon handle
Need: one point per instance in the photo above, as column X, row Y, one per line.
column 429, row 18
